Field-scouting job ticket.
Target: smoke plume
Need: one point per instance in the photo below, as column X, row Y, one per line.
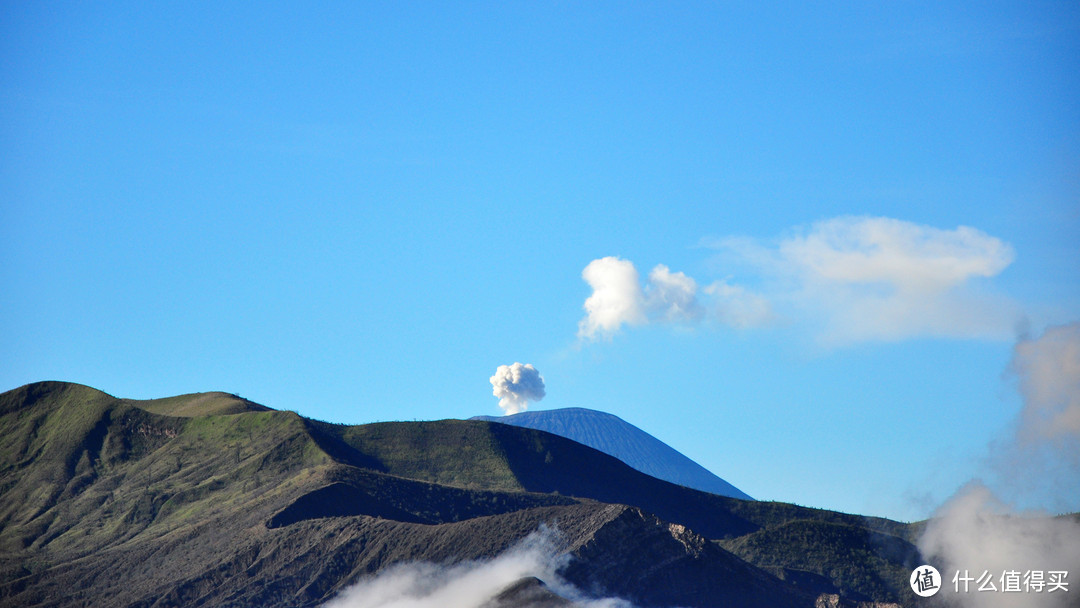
column 977, row 532
column 516, row 385
column 470, row 584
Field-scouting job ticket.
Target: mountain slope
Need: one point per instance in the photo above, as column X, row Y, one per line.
column 507, row 458
column 198, row 404
column 106, row 503
column 874, row 564
column 613, row 435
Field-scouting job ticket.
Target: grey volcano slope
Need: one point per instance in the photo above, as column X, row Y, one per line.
column 209, row 500
column 613, row 435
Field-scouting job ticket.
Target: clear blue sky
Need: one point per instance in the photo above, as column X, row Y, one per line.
column 357, row 211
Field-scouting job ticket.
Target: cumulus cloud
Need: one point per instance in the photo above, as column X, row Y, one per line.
column 672, row 296
column 846, row 280
column 617, row 298
column 516, row 385
column 470, row 584
column 859, row 279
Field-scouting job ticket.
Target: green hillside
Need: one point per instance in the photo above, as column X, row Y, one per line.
column 82, row 470
column 213, row 498
column 451, row 452
column 198, row 404
column 478, row 454
column 856, row 561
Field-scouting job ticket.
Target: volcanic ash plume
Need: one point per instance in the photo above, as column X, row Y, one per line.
column 516, row 385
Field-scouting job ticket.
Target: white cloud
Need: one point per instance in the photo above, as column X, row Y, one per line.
column 672, row 296
column 516, row 385
column 857, row 279
column 669, row 297
column 736, row 306
column 847, row 280
column 617, row 298
column 906, row 256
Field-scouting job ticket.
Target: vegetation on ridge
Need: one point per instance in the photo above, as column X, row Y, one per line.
column 210, row 496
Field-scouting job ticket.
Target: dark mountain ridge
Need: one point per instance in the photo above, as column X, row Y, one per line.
column 106, row 502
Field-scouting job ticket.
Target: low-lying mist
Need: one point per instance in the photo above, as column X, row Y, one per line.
column 470, row 584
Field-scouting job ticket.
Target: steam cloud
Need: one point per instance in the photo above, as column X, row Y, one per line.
column 976, row 531
column 1041, row 460
column 850, row 279
column 469, row 584
column 516, row 385
column 1049, row 372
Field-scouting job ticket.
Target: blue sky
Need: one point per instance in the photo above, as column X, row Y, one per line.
column 358, row 211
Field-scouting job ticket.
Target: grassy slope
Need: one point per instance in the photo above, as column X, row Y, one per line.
column 82, row 470
column 859, row 563
column 860, row 557
column 478, row 454
column 83, row 473
column 90, row 480
column 198, row 404
column 451, row 452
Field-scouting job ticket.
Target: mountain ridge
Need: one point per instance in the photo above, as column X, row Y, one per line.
column 265, row 507
column 616, row 437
